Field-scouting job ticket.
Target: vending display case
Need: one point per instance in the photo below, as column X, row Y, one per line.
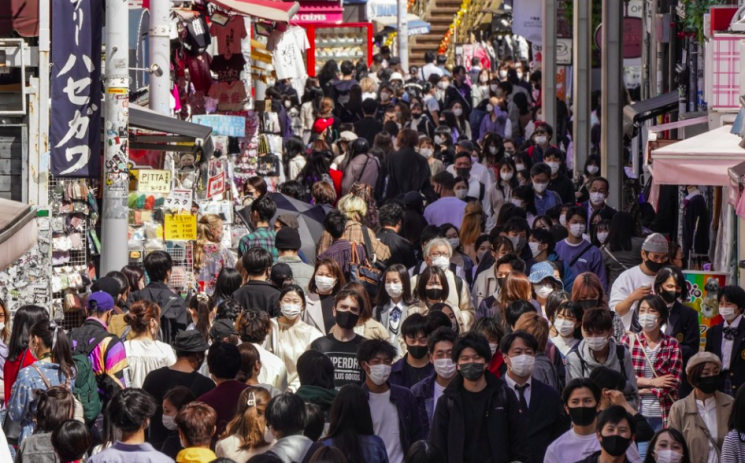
column 352, row 41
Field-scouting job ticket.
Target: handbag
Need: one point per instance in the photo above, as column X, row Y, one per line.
column 364, row 273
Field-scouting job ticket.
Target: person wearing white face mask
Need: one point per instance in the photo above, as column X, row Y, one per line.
column 542, row 277
column 597, row 194
column 566, row 320
column 591, row 172
column 581, row 255
column 558, row 181
column 174, row 400
column 669, row 446
column 395, row 412
column 325, row 284
column 542, row 247
column 290, row 336
column 545, row 199
column 658, row 363
column 599, row 348
column 440, row 349
column 392, row 304
column 539, row 402
column 726, row 339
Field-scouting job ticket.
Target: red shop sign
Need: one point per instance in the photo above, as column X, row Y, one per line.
column 632, row 37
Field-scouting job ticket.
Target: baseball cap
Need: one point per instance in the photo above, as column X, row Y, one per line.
column 100, row 301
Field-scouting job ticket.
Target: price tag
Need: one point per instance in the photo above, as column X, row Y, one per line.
column 180, row 227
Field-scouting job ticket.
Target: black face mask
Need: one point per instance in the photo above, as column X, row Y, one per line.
column 709, row 384
column 433, row 294
column 500, row 281
column 583, row 416
column 589, row 304
column 463, row 172
column 654, row 267
column 615, row 445
column 416, row 115
column 472, row 371
column 670, row 296
column 346, row 320
column 417, row 352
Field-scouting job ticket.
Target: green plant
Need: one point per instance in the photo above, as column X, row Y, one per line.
column 694, row 16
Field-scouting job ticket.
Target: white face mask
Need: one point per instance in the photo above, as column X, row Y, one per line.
column 461, row 193
column 325, row 284
column 439, row 140
column 577, row 229
column 379, row 374
column 565, row 328
column 597, row 198
column 668, row 456
column 535, row 248
column 563, row 220
column 493, row 88
column 458, row 112
column 502, row 73
column 394, row 289
column 442, row 262
column 596, row 343
column 540, row 187
column 442, row 85
column 288, row 104
column 602, row 237
column 454, row 242
column 506, row 176
column 629, row 172
column 384, row 96
column 592, row 170
column 541, row 139
column 727, row 312
column 484, row 79
column 291, row 311
column 519, row 166
column 493, row 150
column 517, row 202
column 554, row 166
column 445, row 368
column 169, row 422
column 519, row 75
column 647, row 321
column 268, row 436
column 426, row 152
column 489, row 108
column 544, row 291
column 493, row 347
column 522, row 365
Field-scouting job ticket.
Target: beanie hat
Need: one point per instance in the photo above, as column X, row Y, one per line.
column 656, row 243
column 287, row 238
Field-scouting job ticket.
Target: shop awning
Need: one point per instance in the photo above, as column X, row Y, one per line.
column 271, row 10
column 18, row 230
column 647, row 109
column 21, row 16
column 415, row 25
column 318, row 13
column 143, row 118
column 700, row 160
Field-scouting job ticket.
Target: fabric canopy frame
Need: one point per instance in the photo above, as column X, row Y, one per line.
column 18, row 230
column 416, row 25
column 271, row 10
column 700, row 160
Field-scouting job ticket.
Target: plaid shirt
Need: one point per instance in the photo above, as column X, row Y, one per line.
column 262, row 237
column 669, row 361
column 353, row 234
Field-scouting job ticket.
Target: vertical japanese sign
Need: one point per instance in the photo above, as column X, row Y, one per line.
column 75, row 131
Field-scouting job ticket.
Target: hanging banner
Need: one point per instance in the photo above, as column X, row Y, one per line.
column 527, row 20
column 75, row 129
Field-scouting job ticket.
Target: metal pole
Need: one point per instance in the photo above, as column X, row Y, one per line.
column 160, row 50
column 114, row 254
column 403, row 35
column 548, row 66
column 581, row 85
column 38, row 179
column 611, row 124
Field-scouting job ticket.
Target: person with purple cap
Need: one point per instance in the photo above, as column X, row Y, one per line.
column 635, row 283
column 105, row 350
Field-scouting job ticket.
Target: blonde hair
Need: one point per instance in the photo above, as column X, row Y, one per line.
column 249, row 421
column 326, row 107
column 353, row 207
column 205, row 234
column 368, row 85
column 470, row 228
column 535, row 325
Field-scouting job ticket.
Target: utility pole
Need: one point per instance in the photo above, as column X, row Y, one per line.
column 548, row 65
column 403, row 35
column 160, row 50
column 611, row 123
column 114, row 253
column 582, row 82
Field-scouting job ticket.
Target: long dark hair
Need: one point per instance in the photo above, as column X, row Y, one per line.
column 350, row 419
column 359, row 147
column 328, row 73
column 202, row 304
column 26, row 317
column 318, row 165
column 671, row 271
column 383, row 298
column 622, row 229
column 293, row 147
column 228, row 282
column 54, row 338
column 677, row 436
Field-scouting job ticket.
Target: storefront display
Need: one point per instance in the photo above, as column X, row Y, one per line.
column 351, row 42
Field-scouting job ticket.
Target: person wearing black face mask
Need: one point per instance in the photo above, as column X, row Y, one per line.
column 415, row 365
column 702, row 416
column 477, row 419
column 615, row 431
column 342, row 342
column 636, row 282
column 682, row 324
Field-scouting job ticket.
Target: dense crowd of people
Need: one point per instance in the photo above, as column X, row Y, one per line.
column 472, row 299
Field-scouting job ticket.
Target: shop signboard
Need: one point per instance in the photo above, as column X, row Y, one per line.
column 231, row 126
column 703, row 287
column 216, row 185
column 154, row 181
column 179, row 199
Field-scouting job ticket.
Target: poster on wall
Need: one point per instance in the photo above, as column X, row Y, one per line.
column 75, row 129
column 702, row 297
column 527, row 20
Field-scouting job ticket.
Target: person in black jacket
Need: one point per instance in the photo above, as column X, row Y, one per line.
column 696, row 223
column 368, row 127
column 402, row 252
column 682, row 324
column 478, row 418
column 258, row 293
column 407, row 169
column 459, row 91
column 726, row 339
column 173, row 314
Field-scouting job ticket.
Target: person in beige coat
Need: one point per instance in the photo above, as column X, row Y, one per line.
column 702, row 417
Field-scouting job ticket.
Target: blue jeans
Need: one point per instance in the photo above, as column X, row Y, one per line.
column 656, row 424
